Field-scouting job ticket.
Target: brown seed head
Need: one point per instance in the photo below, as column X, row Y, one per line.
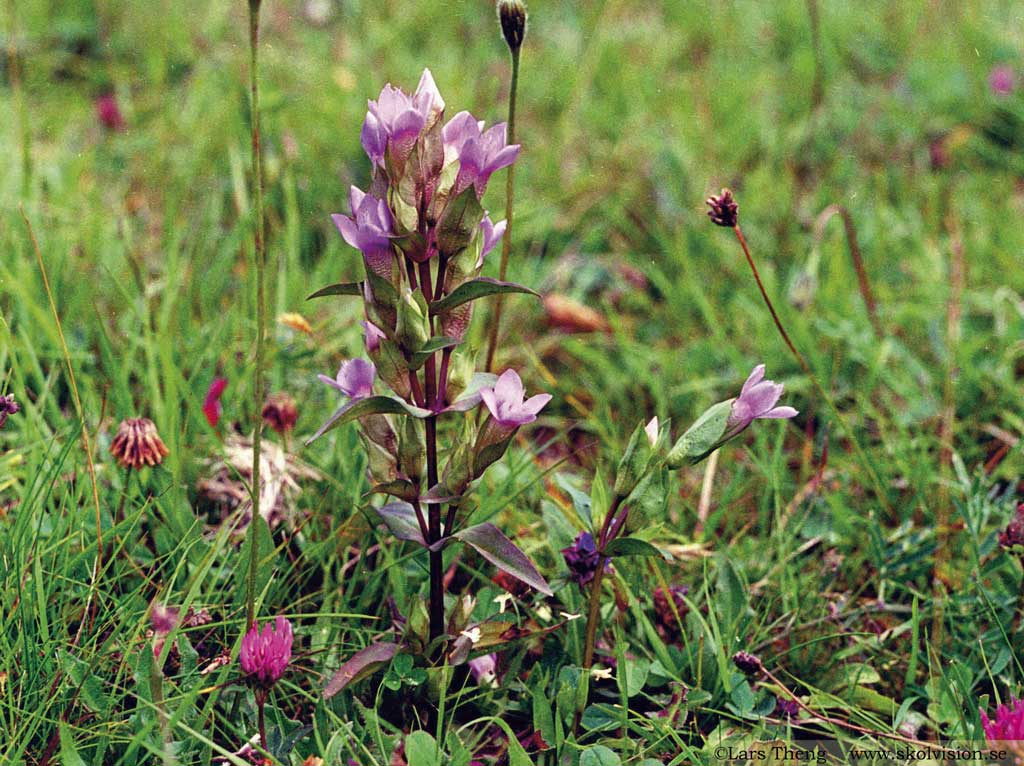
column 724, row 210
column 280, row 412
column 512, row 14
column 137, row 443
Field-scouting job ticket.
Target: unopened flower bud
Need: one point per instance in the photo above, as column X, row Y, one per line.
column 411, row 449
column 512, row 14
column 724, row 210
column 747, row 663
column 413, row 328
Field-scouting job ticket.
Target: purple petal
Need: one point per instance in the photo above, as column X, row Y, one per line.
column 509, row 388
column 348, row 228
column 781, row 412
column 534, row 404
column 428, row 94
column 491, row 402
column 762, row 397
column 458, row 130
column 331, row 382
column 755, row 377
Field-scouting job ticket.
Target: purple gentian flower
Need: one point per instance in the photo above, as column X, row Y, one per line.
column 757, row 399
column 265, row 654
column 354, row 379
column 1008, row 725
column 395, row 119
column 582, row 558
column 369, row 229
column 373, row 336
column 484, row 669
column 1001, row 80
column 479, row 152
column 505, row 401
column 492, row 234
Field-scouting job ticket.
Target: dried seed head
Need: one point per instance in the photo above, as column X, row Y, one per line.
column 137, row 443
column 280, row 412
column 512, row 14
column 724, row 210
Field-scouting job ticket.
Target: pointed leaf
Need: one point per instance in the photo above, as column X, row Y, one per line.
column 490, row 543
column 630, row 546
column 476, row 288
column 370, row 405
column 401, row 519
column 340, row 288
column 361, row 664
column 434, row 344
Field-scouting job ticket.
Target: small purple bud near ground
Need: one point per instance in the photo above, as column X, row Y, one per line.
column 7, row 407
column 747, row 663
column 582, row 559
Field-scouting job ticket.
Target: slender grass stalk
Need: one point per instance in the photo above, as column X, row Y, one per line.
column 825, row 396
column 259, row 251
column 863, row 283
column 86, row 442
column 818, row 84
column 506, row 240
column 14, row 76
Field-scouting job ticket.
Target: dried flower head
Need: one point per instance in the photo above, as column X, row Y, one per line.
column 7, row 407
column 747, row 663
column 265, row 654
column 137, row 443
column 512, row 15
column 1008, row 725
column 280, row 412
column 724, row 210
column 1012, row 537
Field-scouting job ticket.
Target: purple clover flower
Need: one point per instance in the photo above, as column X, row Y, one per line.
column 1008, row 725
column 582, row 559
column 757, row 399
column 369, row 229
column 505, row 401
column 354, row 379
column 265, row 654
column 395, row 119
column 492, row 234
column 7, row 407
column 480, row 153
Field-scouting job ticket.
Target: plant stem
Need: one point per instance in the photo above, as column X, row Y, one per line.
column 261, row 701
column 855, row 256
column 260, row 255
column 861, row 455
column 506, row 241
column 593, row 613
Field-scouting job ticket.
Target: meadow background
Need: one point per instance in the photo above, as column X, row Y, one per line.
column 890, row 606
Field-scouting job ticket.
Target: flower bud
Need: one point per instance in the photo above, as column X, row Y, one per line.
column 634, row 462
column 724, row 210
column 512, row 15
column 413, row 328
column 460, row 373
column 391, row 366
column 411, row 449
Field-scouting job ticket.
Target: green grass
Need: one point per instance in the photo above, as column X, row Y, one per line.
column 631, row 113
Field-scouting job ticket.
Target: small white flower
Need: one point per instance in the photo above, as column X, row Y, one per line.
column 544, row 613
column 601, row 674
column 502, row 600
column 473, row 635
column 569, row 617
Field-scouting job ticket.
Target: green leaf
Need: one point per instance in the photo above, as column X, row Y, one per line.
column 543, row 716
column 743, row 697
column 361, row 664
column 370, row 405
column 636, row 676
column 599, row 755
column 429, row 348
column 476, row 288
column 401, row 519
column 630, row 546
column 702, row 438
column 490, row 543
column 339, row 288
column 421, row 748
column 600, row 718
column 69, row 755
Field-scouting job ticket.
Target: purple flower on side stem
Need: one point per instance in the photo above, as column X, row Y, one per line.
column 757, row 399
column 395, row 119
column 369, row 229
column 266, row 653
column 1008, row 725
column 492, row 234
column 373, row 336
column 354, row 379
column 582, row 558
column 505, row 401
column 480, row 153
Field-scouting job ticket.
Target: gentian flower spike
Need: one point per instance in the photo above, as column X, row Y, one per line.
column 354, row 379
column 369, row 230
column 757, row 399
column 505, row 401
column 1008, row 725
column 395, row 119
column 265, row 654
